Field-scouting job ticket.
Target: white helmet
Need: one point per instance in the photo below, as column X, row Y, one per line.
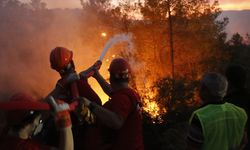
column 216, row 84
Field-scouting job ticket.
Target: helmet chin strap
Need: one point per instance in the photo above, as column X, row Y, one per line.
column 69, row 69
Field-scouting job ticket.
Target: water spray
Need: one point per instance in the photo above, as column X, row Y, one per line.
column 114, row 40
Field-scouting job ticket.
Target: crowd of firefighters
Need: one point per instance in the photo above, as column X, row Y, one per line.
column 76, row 118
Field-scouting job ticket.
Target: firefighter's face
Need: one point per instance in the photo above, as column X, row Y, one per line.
column 38, row 127
column 35, row 127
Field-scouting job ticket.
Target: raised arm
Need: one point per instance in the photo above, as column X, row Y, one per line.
column 103, row 83
column 94, row 71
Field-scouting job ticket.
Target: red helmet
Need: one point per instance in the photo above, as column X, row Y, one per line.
column 60, row 57
column 15, row 117
column 119, row 66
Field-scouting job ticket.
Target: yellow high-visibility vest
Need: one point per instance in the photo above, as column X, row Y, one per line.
column 222, row 125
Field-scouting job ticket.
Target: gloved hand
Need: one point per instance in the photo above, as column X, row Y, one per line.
column 61, row 113
column 85, row 111
column 91, row 70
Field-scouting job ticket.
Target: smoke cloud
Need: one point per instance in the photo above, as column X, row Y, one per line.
column 26, row 39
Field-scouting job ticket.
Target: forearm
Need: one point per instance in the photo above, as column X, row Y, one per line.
column 107, row 117
column 87, row 91
column 66, row 139
column 103, row 83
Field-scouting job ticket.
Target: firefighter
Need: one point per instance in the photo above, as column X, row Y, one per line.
column 23, row 124
column 120, row 122
column 217, row 125
column 61, row 60
column 68, row 90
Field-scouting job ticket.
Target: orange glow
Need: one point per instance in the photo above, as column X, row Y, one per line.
column 148, row 97
column 104, row 72
column 224, row 4
column 94, row 84
column 151, row 107
column 232, row 6
column 103, row 34
column 144, row 89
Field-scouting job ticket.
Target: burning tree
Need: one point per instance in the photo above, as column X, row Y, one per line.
column 198, row 38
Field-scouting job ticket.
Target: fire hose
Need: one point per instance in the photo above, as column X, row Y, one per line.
column 37, row 105
column 6, row 105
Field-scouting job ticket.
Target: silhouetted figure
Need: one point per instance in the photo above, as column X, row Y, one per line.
column 237, row 93
column 23, row 124
column 217, row 125
column 119, row 119
column 61, row 60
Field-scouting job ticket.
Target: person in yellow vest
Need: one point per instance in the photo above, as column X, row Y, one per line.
column 217, row 125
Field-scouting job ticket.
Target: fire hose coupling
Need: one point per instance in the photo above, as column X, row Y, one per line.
column 61, row 110
column 57, row 107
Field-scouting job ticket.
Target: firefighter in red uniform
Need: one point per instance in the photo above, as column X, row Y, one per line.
column 61, row 60
column 119, row 119
column 22, row 124
column 68, row 90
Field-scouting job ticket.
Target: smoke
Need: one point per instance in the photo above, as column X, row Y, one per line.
column 26, row 39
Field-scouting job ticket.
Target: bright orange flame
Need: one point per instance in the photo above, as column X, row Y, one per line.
column 149, row 102
column 152, row 108
column 148, row 95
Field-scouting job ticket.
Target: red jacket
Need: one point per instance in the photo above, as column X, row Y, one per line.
column 13, row 143
column 125, row 104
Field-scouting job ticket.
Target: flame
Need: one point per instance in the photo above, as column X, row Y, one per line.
column 152, row 108
column 149, row 102
column 147, row 94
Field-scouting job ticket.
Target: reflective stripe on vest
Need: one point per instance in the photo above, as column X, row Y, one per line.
column 222, row 125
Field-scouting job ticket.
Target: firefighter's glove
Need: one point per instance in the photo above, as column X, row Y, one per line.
column 91, row 70
column 85, row 112
column 61, row 113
